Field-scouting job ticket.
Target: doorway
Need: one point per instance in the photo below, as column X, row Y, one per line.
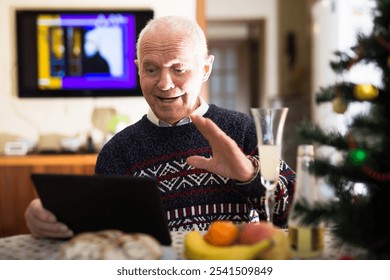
column 237, row 80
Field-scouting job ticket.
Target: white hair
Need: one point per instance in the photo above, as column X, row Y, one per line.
column 179, row 25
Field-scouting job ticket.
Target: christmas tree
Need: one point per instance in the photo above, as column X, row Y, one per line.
column 357, row 219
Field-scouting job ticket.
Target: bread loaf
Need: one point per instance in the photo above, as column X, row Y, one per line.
column 111, row 245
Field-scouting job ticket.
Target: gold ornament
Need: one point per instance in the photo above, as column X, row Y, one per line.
column 339, row 105
column 365, row 92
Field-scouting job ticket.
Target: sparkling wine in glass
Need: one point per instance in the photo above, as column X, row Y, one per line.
column 269, row 128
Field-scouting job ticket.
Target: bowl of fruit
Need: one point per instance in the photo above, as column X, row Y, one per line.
column 225, row 240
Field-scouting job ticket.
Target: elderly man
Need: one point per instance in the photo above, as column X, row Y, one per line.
column 204, row 157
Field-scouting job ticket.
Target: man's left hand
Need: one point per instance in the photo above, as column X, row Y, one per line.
column 228, row 160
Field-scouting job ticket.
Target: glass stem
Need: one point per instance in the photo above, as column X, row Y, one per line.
column 269, row 204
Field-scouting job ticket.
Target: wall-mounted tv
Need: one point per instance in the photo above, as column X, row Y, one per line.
column 78, row 53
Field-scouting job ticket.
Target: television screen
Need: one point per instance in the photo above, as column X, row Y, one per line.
column 78, row 53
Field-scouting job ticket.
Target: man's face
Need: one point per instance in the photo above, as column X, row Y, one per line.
column 171, row 75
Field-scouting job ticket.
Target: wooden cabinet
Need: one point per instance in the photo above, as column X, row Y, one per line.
column 17, row 190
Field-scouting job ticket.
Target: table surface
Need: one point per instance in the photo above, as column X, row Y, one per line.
column 27, row 247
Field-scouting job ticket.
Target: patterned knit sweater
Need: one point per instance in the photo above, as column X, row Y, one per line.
column 193, row 198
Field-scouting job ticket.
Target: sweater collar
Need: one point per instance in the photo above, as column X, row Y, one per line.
column 201, row 110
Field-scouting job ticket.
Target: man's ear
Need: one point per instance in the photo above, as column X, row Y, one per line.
column 136, row 62
column 207, row 68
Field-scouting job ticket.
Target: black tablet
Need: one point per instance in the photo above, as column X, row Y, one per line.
column 98, row 202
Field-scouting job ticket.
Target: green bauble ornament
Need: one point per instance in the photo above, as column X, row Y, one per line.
column 357, row 157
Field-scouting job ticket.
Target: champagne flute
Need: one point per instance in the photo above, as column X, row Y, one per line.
column 269, row 129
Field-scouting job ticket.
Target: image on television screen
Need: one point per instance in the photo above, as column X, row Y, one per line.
column 78, row 53
column 86, row 51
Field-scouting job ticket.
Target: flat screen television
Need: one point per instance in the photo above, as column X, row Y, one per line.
column 78, row 53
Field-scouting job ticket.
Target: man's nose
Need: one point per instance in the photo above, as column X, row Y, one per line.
column 165, row 82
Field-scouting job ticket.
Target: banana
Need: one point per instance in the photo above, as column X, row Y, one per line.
column 196, row 248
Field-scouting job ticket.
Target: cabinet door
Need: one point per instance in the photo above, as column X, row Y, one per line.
column 17, row 191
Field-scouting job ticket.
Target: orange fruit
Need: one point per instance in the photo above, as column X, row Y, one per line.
column 221, row 233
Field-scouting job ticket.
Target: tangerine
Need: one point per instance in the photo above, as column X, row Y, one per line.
column 221, row 233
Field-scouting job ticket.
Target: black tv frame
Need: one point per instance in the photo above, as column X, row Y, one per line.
column 26, row 43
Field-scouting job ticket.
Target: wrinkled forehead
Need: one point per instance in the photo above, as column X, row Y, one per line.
column 169, row 44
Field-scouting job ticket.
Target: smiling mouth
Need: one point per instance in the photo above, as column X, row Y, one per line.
column 169, row 99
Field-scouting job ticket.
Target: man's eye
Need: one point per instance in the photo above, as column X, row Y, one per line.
column 151, row 70
column 179, row 70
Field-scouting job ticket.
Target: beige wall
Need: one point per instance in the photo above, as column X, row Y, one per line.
column 29, row 118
